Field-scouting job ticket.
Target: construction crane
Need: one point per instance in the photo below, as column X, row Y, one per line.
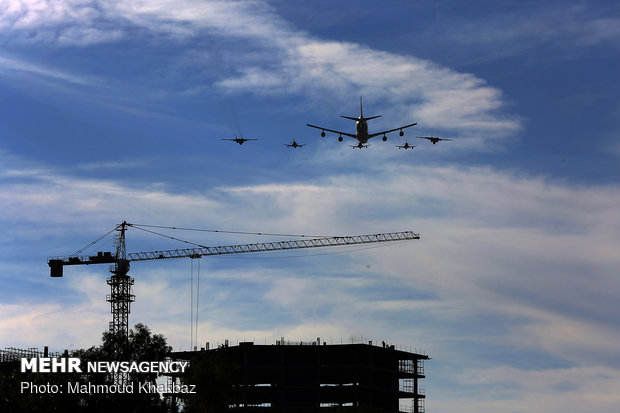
column 120, row 297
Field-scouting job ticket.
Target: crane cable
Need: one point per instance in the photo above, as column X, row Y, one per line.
column 143, row 227
column 197, row 301
column 81, row 250
column 194, row 320
column 168, row 236
column 230, row 232
column 191, row 307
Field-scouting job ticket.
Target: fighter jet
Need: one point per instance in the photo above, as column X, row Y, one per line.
column 241, row 140
column 405, row 146
column 433, row 139
column 361, row 129
column 359, row 146
column 294, row 145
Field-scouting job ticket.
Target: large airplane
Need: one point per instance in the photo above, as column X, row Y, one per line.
column 361, row 129
column 433, row 139
column 294, row 144
column 240, row 140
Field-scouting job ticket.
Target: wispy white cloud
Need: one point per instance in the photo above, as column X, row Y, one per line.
column 283, row 60
column 65, row 22
column 442, row 98
column 570, row 27
column 82, row 22
column 21, row 66
column 113, row 164
column 535, row 260
column 563, row 390
column 498, row 234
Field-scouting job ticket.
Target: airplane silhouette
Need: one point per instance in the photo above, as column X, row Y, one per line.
column 433, row 139
column 405, row 146
column 361, row 129
column 241, row 140
column 294, row 144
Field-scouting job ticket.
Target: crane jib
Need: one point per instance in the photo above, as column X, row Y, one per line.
column 56, row 263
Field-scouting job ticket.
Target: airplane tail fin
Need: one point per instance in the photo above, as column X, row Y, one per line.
column 361, row 117
column 361, row 110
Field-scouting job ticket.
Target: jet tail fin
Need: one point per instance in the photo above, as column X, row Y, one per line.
column 361, row 114
column 361, row 110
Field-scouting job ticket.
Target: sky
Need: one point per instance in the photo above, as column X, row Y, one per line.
column 115, row 111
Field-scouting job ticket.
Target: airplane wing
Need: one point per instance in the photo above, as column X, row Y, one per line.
column 372, row 135
column 332, row 131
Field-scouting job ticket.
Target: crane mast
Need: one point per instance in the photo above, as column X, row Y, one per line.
column 120, row 297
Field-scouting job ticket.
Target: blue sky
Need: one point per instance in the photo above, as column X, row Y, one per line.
column 115, row 112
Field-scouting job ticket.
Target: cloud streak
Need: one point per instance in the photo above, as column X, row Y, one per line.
column 506, row 263
column 504, row 233
column 20, row 66
column 272, row 58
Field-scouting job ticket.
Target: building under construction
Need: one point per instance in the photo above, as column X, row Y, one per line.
column 315, row 377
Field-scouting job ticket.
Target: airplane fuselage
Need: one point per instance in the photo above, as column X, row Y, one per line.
column 361, row 131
